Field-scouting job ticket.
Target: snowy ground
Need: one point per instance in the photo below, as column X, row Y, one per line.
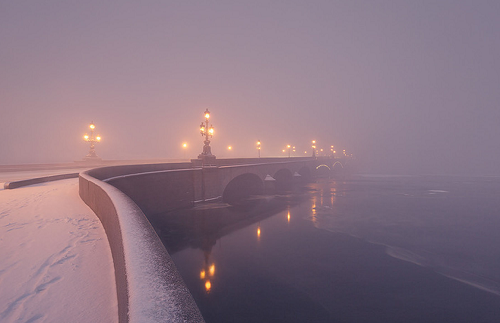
column 55, row 261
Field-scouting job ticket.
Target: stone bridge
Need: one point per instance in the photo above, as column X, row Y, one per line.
column 149, row 288
column 162, row 187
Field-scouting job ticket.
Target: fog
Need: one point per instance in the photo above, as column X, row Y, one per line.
column 408, row 87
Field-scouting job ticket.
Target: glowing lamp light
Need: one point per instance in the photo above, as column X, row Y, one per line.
column 184, row 145
column 258, row 232
column 229, row 147
column 208, row 285
column 202, row 274
column 288, row 217
column 287, row 146
column 211, row 131
column 92, row 139
column 211, row 270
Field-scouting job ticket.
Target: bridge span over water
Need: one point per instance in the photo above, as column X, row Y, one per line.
column 157, row 188
column 149, row 288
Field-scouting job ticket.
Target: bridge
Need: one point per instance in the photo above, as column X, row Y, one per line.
column 123, row 196
column 157, row 188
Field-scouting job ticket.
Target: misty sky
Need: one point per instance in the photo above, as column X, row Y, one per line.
column 409, row 87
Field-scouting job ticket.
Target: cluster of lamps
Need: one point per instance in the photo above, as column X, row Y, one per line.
column 207, row 132
column 92, row 154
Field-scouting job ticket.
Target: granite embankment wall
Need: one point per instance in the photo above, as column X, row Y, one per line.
column 148, row 285
column 38, row 180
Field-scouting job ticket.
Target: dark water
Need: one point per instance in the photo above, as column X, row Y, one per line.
column 368, row 249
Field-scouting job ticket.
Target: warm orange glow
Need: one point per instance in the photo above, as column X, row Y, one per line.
column 202, row 274
column 98, row 138
column 305, row 152
column 184, row 145
column 258, row 232
column 211, row 270
column 258, row 143
column 334, row 152
column 314, row 147
column 207, row 115
column 202, row 129
column 92, row 126
column 229, row 147
column 86, row 137
column 208, row 285
column 288, row 216
column 321, row 149
column 287, row 146
column 314, row 141
column 283, row 150
column 211, row 131
column 331, row 147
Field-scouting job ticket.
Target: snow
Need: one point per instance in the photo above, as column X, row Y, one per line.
column 156, row 290
column 55, row 260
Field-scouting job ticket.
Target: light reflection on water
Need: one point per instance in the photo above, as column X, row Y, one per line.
column 257, row 265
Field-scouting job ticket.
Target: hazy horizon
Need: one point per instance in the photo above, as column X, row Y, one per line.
column 407, row 87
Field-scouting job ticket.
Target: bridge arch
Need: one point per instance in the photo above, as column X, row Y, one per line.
column 242, row 187
column 305, row 172
column 322, row 170
column 337, row 164
column 283, row 179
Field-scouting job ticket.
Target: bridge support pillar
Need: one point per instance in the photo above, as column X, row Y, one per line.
column 207, row 184
column 269, row 185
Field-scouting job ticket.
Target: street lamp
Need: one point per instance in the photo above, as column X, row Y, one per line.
column 314, row 148
column 207, row 132
column 258, row 147
column 288, row 146
column 184, row 148
column 92, row 155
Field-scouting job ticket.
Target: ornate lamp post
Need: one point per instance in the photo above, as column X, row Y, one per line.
column 207, row 132
column 258, row 147
column 288, row 146
column 92, row 155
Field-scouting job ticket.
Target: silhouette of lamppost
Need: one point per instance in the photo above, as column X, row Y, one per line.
column 288, row 146
column 207, row 132
column 258, row 147
column 92, row 155
column 314, row 148
column 184, row 148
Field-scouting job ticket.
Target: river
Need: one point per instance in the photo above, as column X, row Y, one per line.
column 362, row 249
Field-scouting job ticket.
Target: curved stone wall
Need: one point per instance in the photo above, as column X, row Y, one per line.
column 148, row 285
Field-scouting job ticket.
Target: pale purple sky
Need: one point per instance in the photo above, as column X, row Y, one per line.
column 409, row 87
